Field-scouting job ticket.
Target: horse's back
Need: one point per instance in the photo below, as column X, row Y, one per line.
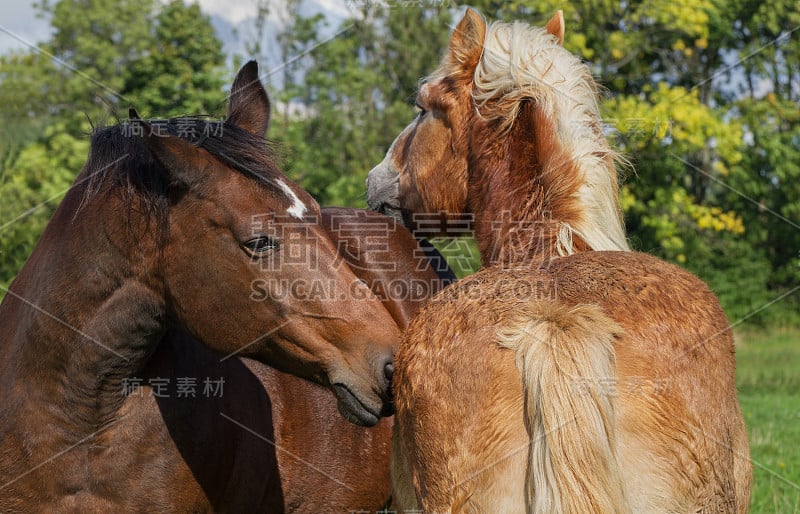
column 675, row 390
column 679, row 431
column 403, row 272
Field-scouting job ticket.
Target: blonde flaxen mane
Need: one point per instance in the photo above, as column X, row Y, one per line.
column 521, row 62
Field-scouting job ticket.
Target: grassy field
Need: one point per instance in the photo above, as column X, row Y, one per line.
column 768, row 375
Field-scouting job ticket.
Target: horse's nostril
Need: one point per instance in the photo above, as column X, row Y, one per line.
column 388, row 371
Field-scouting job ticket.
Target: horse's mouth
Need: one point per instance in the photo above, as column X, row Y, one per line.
column 351, row 408
column 386, row 208
column 402, row 216
column 394, row 211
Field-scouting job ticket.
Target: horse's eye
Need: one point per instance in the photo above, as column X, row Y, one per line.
column 421, row 111
column 261, row 245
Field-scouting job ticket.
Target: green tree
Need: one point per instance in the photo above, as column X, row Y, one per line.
column 770, row 112
column 104, row 56
column 702, row 97
column 353, row 93
column 181, row 70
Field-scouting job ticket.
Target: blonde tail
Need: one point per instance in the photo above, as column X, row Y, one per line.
column 566, row 357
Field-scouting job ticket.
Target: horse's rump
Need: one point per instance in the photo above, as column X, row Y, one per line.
column 626, row 335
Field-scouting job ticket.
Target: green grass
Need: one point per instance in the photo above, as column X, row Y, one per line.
column 768, row 377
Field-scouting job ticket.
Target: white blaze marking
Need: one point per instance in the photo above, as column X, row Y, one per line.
column 298, row 208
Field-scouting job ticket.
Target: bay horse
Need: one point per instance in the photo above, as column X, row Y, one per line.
column 569, row 375
column 164, row 233
column 292, row 451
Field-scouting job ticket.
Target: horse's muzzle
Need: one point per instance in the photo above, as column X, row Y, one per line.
column 383, row 189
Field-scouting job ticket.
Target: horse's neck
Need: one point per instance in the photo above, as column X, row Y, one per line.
column 524, row 189
column 75, row 323
column 510, row 239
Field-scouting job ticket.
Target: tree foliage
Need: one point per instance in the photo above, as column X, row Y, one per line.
column 702, row 96
column 103, row 57
column 355, row 92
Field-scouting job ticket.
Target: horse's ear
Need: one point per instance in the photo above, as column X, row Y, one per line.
column 556, row 26
column 178, row 157
column 466, row 43
column 248, row 107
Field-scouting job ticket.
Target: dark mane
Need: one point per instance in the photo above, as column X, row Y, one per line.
column 120, row 161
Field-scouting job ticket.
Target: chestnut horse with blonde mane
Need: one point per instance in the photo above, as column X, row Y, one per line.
column 570, row 375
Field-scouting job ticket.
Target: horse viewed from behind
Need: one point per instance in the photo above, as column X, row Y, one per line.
column 168, row 226
column 570, row 375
